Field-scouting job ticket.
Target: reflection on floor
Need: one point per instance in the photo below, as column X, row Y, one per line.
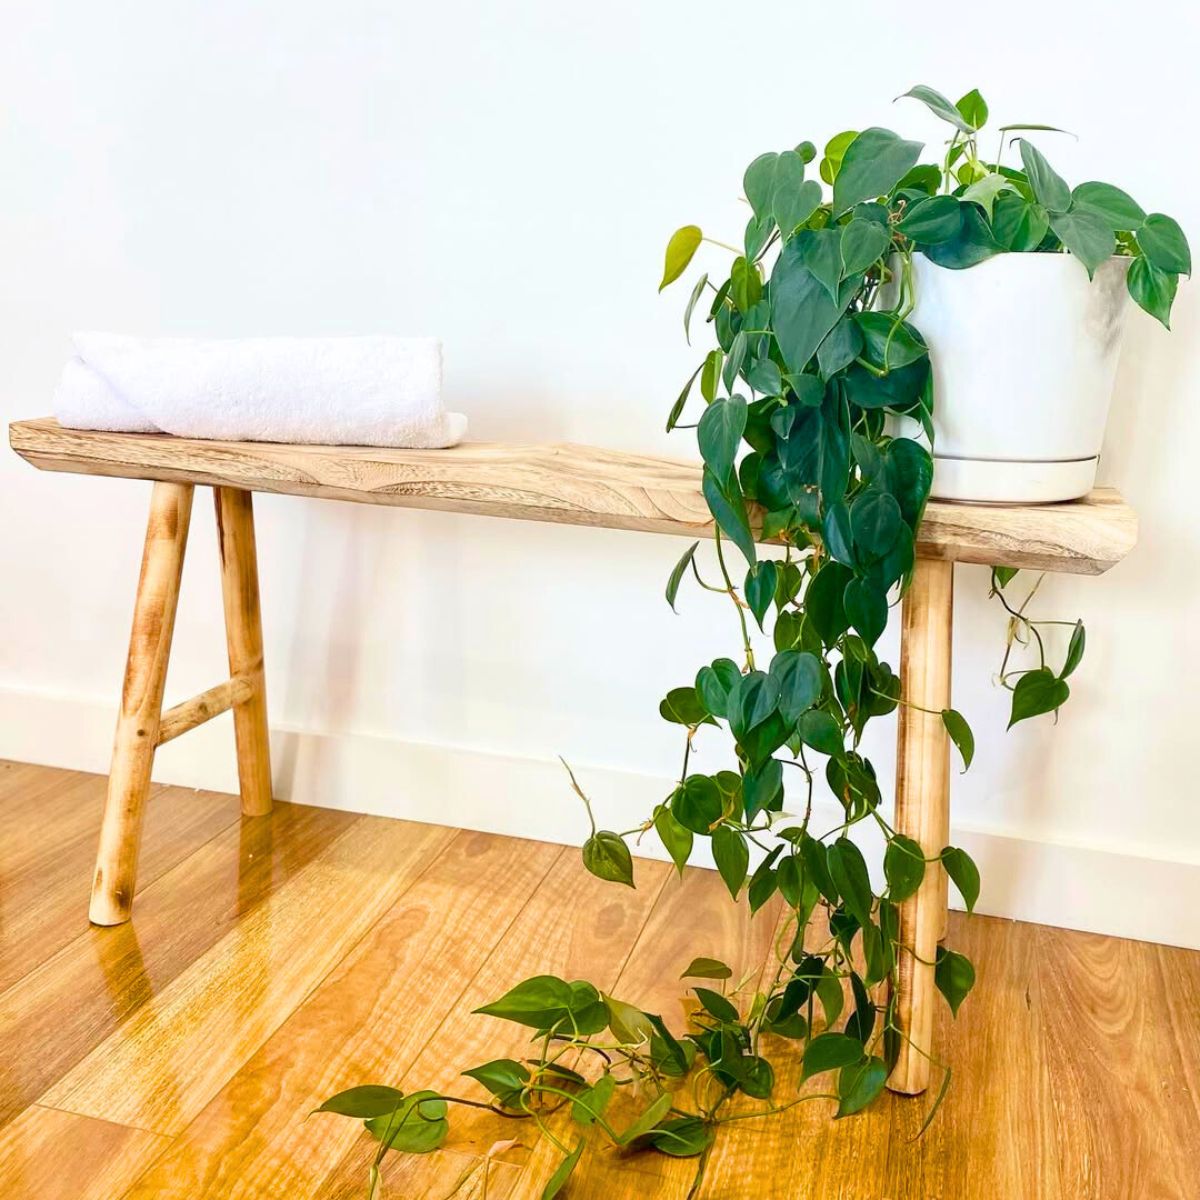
column 273, row 961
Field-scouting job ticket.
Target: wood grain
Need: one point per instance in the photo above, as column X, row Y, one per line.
column 693, row 916
column 922, row 807
column 1078, row 537
column 169, row 1059
column 1109, row 1052
column 24, row 786
column 50, row 1155
column 367, row 1021
column 569, row 484
column 754, row 1148
column 997, row 1133
column 576, row 927
column 95, row 979
column 43, row 888
column 444, row 1175
column 243, row 634
column 1178, row 976
column 1076, row 1058
column 208, row 704
column 141, row 703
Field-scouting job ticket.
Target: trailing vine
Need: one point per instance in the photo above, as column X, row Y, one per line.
column 815, row 359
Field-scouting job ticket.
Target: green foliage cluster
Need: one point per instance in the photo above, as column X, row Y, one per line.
column 593, row 1047
column 814, row 357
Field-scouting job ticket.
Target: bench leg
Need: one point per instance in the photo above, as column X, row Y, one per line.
column 141, row 703
column 922, row 806
column 243, row 631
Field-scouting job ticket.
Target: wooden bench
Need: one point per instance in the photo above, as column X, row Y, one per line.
column 576, row 485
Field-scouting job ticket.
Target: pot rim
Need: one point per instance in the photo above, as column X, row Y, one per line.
column 1053, row 255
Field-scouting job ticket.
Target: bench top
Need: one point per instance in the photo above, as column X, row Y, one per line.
column 567, row 484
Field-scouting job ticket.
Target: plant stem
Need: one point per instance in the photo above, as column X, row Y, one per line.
column 733, row 596
column 767, row 1112
column 500, row 1112
column 579, row 792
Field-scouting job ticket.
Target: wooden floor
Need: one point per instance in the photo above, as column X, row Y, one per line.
column 273, row 961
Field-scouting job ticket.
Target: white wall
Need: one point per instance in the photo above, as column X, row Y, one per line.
column 505, row 176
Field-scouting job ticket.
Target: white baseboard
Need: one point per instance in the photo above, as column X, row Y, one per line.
column 1068, row 885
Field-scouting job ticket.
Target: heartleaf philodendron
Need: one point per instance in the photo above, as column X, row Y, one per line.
column 815, row 359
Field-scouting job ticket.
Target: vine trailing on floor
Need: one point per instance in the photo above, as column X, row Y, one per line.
column 815, row 361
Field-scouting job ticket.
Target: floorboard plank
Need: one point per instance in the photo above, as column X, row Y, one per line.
column 46, row 1154
column 23, row 786
column 364, row 1024
column 44, row 885
column 57, row 1014
column 443, row 1175
column 30, row 795
column 176, row 1051
column 1111, row 1052
column 274, row 961
column 1179, row 971
column 576, row 927
column 994, row 1134
column 693, row 916
column 759, row 1155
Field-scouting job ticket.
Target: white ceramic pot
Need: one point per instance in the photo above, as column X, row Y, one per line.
column 1024, row 350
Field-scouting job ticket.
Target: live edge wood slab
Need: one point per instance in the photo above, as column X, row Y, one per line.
column 566, row 484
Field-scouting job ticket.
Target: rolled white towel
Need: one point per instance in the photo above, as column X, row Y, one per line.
column 359, row 391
